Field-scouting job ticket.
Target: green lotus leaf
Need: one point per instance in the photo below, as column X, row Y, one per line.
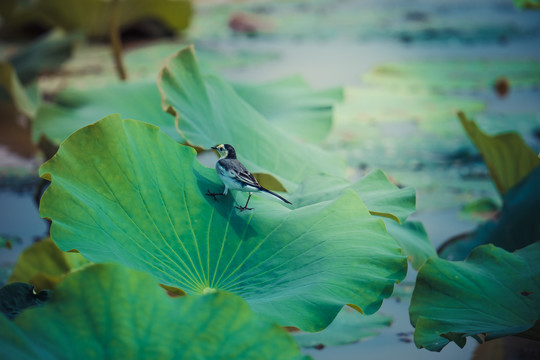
column 17, row 297
column 43, row 264
column 413, row 239
column 123, row 191
column 492, row 293
column 506, row 155
column 379, row 195
column 45, row 54
column 347, row 328
column 452, row 75
column 94, row 16
column 516, row 226
column 78, row 108
column 109, row 311
column 292, row 105
column 209, row 112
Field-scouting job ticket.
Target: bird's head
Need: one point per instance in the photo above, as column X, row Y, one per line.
column 225, row 151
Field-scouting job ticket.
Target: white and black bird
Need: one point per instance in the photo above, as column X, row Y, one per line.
column 235, row 176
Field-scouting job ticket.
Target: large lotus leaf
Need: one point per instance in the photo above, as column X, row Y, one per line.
column 123, row 191
column 94, row 16
column 516, row 227
column 347, row 328
column 413, row 239
column 492, row 293
column 43, row 264
column 209, row 112
column 109, row 311
column 78, row 108
column 454, row 75
column 506, row 155
column 292, row 105
column 379, row 195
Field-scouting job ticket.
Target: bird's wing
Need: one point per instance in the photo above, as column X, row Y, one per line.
column 245, row 177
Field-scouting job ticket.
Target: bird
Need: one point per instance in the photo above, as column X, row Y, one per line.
column 235, row 176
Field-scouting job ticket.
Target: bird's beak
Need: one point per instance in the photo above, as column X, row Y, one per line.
column 213, row 147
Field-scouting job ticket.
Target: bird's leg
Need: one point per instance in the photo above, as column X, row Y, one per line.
column 209, row 193
column 242, row 208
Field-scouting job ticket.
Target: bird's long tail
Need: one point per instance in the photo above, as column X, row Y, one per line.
column 276, row 195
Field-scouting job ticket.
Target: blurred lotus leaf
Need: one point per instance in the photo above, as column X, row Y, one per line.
column 94, row 16
column 516, row 227
column 527, row 4
column 209, row 112
column 44, row 55
column 123, row 191
column 43, row 264
column 506, row 155
column 75, row 109
column 493, row 293
column 292, row 105
column 24, row 101
column 109, row 311
column 453, row 75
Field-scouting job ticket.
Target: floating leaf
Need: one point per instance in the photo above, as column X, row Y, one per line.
column 17, row 297
column 452, row 75
column 123, row 191
column 109, row 311
column 292, row 105
column 433, row 113
column 43, row 264
column 507, row 156
column 78, row 108
column 380, row 196
column 209, row 112
column 347, row 328
column 480, row 209
column 492, row 293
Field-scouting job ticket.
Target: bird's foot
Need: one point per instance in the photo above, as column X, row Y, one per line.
column 209, row 193
column 242, row 208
